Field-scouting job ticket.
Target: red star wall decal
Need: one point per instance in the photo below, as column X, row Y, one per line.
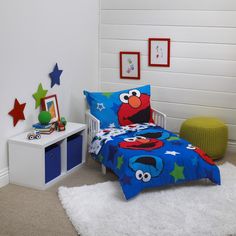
column 17, row 112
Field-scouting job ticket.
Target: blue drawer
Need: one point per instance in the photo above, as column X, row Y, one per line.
column 52, row 162
column 74, row 151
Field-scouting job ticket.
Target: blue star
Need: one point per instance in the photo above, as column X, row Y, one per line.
column 112, row 152
column 100, row 106
column 55, row 76
column 126, row 180
column 177, row 143
column 194, row 161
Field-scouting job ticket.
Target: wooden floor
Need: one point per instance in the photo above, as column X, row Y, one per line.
column 29, row 212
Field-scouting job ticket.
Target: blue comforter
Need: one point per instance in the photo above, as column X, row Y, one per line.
column 146, row 156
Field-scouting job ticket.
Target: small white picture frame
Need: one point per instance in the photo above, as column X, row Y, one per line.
column 159, row 52
column 130, row 65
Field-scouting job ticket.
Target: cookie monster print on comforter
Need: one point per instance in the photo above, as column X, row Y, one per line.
column 145, row 156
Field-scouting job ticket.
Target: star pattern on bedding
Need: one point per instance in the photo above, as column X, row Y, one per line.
column 112, row 152
column 173, row 153
column 115, row 107
column 126, row 180
column 119, row 162
column 100, row 158
column 177, row 143
column 177, row 173
column 112, row 125
column 194, row 161
column 173, row 138
column 107, row 95
column 100, row 106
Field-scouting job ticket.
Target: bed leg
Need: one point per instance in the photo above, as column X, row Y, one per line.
column 104, row 170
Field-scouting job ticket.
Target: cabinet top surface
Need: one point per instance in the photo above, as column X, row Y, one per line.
column 48, row 139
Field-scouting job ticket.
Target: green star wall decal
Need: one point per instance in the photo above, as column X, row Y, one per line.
column 177, row 173
column 41, row 93
column 120, row 162
column 107, row 95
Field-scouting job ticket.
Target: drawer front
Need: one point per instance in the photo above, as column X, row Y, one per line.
column 52, row 162
column 74, row 151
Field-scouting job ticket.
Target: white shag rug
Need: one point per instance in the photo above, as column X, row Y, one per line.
column 195, row 209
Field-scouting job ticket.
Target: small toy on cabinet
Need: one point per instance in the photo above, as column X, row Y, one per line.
column 61, row 124
column 35, row 134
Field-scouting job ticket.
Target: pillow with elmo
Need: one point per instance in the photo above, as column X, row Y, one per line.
column 121, row 108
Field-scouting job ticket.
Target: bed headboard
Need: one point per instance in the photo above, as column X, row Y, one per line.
column 94, row 124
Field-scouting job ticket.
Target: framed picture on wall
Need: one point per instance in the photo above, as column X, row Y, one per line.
column 159, row 52
column 130, row 65
column 50, row 104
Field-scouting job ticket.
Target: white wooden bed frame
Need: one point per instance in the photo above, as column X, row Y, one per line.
column 94, row 126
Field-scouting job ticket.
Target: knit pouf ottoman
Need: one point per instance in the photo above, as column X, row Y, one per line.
column 208, row 133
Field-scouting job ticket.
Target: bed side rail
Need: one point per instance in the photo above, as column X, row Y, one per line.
column 93, row 126
column 159, row 118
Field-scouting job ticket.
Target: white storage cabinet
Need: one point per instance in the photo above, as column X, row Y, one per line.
column 41, row 163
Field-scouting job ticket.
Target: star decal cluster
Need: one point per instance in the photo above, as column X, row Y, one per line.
column 55, row 76
column 17, row 112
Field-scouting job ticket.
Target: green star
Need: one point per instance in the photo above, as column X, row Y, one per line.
column 173, row 138
column 41, row 93
column 177, row 173
column 100, row 158
column 107, row 95
column 120, row 162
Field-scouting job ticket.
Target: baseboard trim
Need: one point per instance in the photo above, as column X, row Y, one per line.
column 232, row 147
column 4, row 177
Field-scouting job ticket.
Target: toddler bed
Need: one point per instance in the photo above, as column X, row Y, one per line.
column 142, row 154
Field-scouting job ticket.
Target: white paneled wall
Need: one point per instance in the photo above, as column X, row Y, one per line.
column 202, row 77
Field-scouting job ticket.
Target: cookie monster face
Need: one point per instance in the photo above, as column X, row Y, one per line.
column 135, row 108
column 141, row 143
column 154, row 133
column 146, row 167
column 202, row 154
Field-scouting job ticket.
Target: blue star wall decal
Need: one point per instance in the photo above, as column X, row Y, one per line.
column 55, row 75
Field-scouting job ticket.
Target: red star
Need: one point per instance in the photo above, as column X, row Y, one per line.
column 17, row 112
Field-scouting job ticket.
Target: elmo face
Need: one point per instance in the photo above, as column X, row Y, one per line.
column 141, row 143
column 202, row 154
column 135, row 108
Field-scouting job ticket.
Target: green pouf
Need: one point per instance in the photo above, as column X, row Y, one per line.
column 208, row 133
